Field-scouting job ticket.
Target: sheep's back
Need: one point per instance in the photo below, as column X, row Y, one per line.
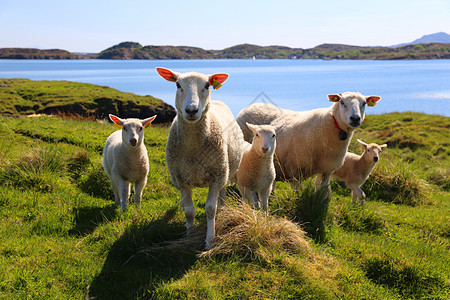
column 308, row 144
column 258, row 114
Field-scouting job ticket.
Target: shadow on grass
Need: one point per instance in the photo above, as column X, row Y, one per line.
column 88, row 218
column 136, row 264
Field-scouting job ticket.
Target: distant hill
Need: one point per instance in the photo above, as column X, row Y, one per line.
column 130, row 50
column 440, row 37
column 31, row 53
column 433, row 46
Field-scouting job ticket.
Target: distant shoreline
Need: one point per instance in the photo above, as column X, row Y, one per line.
column 131, row 50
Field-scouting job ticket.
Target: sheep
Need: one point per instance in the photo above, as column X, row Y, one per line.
column 204, row 146
column 256, row 173
column 310, row 142
column 125, row 159
column 357, row 168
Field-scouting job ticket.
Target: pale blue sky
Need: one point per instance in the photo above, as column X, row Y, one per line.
column 92, row 26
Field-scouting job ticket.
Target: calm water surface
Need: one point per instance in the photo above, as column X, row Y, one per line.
column 420, row 86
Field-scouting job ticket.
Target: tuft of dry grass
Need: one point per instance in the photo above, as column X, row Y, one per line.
column 247, row 233
column 243, row 231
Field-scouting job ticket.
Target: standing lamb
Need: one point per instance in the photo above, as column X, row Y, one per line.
column 125, row 159
column 204, row 147
column 356, row 169
column 310, row 142
column 256, row 172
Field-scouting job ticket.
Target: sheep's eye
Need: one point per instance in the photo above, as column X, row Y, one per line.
column 343, row 104
column 257, row 135
column 124, row 128
column 273, row 135
column 207, row 85
column 178, row 85
column 140, row 128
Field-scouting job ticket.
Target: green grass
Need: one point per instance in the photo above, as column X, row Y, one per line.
column 62, row 237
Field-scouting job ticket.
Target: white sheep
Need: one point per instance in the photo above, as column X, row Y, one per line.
column 125, row 159
column 256, row 172
column 310, row 142
column 204, row 147
column 357, row 168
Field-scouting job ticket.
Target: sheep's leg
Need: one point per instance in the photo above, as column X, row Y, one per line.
column 124, row 188
column 247, row 195
column 222, row 196
column 211, row 208
column 318, row 181
column 189, row 209
column 138, row 189
column 264, row 196
column 357, row 192
column 323, row 180
column 255, row 200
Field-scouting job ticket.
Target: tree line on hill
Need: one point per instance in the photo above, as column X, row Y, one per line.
column 132, row 50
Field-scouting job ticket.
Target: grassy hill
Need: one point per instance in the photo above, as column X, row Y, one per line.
column 63, row 238
column 25, row 97
column 32, row 53
column 130, row 50
column 133, row 50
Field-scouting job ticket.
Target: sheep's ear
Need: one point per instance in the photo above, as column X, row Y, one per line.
column 168, row 74
column 335, row 97
column 216, row 80
column 148, row 122
column 251, row 126
column 118, row 122
column 364, row 145
column 279, row 125
column 383, row 146
column 372, row 100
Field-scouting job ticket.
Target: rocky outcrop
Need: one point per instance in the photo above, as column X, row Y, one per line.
column 104, row 106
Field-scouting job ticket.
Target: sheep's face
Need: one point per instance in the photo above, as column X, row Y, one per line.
column 372, row 151
column 352, row 107
column 193, row 93
column 132, row 129
column 193, row 96
column 264, row 139
column 133, row 133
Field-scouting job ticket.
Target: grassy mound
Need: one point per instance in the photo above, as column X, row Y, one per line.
column 246, row 232
column 26, row 97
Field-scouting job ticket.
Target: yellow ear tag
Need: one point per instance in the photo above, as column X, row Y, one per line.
column 117, row 125
column 216, row 84
column 370, row 102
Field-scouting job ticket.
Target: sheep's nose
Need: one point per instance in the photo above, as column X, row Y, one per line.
column 355, row 119
column 264, row 149
column 133, row 142
column 191, row 110
column 375, row 159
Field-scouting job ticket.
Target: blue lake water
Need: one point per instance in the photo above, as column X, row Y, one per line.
column 420, row 86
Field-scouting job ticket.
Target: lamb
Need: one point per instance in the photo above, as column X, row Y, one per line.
column 310, row 142
column 357, row 168
column 204, row 147
column 125, row 159
column 256, row 173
